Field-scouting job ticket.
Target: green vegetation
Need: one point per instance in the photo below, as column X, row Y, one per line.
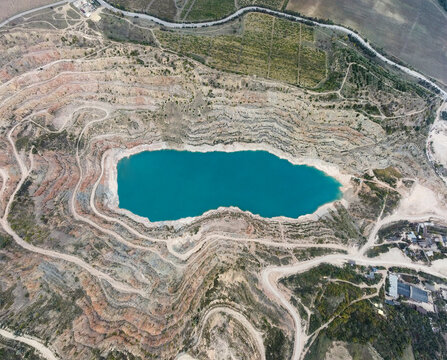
column 389, row 335
column 38, row 313
column 332, row 300
column 120, row 29
column 14, row 350
column 269, row 47
column 7, row 298
column 272, row 4
column 118, row 355
column 55, row 141
column 61, row 141
column 389, row 175
column 377, row 197
column 277, row 346
column 306, row 285
column 399, row 332
column 394, row 230
column 192, row 10
column 164, row 9
column 207, row 9
column 358, row 44
column 344, row 227
column 309, row 253
column 381, row 249
column 22, row 217
column 5, row 241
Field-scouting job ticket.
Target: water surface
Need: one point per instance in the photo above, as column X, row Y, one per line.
column 170, row 185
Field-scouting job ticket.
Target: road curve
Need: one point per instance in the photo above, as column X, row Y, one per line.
column 248, row 9
column 46, row 353
column 54, row 254
column 240, row 12
column 33, row 10
column 256, row 335
column 271, row 275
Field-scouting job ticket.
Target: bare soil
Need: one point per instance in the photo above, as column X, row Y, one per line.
column 407, row 29
column 9, row 8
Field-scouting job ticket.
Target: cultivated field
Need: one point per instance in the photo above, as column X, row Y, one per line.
column 165, row 9
column 9, row 8
column 193, row 10
column 268, row 47
column 196, row 10
column 415, row 31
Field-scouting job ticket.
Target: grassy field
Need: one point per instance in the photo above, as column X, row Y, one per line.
column 9, row 8
column 196, row 10
column 193, row 10
column 414, row 31
column 267, row 47
column 164, row 9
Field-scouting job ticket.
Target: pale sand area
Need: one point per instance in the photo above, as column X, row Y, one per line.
column 422, row 201
column 438, row 138
column 31, row 341
column 185, row 357
column 338, row 351
column 440, row 144
column 9, row 8
column 114, row 155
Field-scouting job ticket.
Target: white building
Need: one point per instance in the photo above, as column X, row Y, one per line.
column 392, row 291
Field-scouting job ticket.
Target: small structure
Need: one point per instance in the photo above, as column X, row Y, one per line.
column 390, row 302
column 418, row 294
column 392, row 291
column 411, row 236
column 403, row 289
column 87, row 7
column 444, row 293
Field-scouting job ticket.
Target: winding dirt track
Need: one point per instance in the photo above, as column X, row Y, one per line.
column 270, row 275
column 33, row 342
column 73, row 259
column 256, row 335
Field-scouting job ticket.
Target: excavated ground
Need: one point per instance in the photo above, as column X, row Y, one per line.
column 86, row 277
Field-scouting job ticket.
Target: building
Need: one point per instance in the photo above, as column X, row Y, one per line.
column 444, row 293
column 411, row 236
column 403, row 289
column 393, row 278
column 398, row 288
column 418, row 294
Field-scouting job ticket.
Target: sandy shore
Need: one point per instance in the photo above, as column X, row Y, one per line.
column 113, row 156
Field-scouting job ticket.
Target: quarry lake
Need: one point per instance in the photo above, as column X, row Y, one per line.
column 171, row 185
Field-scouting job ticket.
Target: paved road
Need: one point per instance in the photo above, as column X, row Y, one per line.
column 248, row 9
column 238, row 13
column 271, row 273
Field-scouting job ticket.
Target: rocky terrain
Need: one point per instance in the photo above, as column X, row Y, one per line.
column 93, row 281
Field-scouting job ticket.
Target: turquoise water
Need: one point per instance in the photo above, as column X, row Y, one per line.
column 170, row 185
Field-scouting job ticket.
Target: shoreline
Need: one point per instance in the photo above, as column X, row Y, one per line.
column 113, row 156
